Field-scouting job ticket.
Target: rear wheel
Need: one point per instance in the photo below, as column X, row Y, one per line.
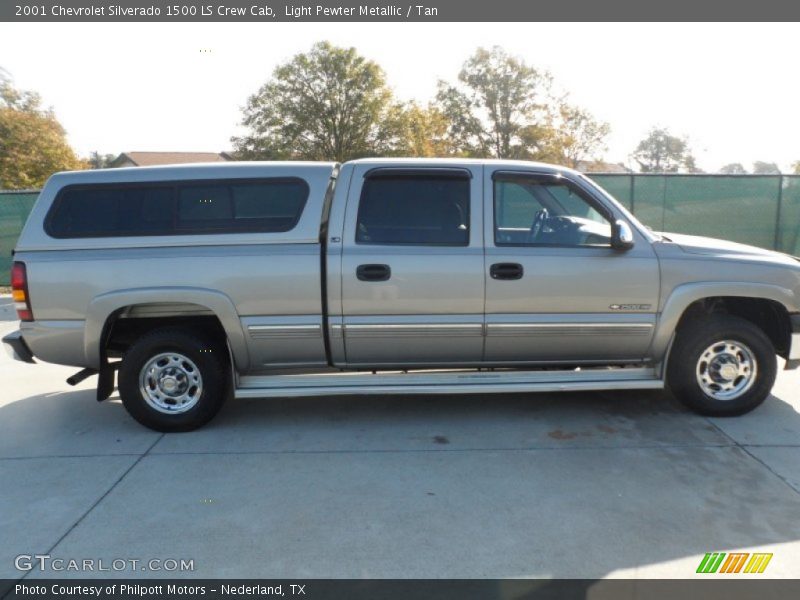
column 173, row 380
column 722, row 366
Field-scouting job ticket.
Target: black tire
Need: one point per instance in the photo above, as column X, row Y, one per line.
column 694, row 338
column 210, row 361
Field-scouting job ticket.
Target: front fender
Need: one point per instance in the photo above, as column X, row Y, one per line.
column 103, row 306
column 684, row 295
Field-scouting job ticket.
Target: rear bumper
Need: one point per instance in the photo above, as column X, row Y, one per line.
column 17, row 348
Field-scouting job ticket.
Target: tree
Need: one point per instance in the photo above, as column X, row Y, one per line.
column 661, row 152
column 33, row 143
column 796, row 167
column 766, row 168
column 420, row 131
column 498, row 107
column 733, row 169
column 100, row 161
column 327, row 104
column 577, row 136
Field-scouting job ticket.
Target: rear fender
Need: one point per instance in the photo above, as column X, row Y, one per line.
column 105, row 305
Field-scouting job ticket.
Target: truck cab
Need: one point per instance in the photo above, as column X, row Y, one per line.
column 485, row 264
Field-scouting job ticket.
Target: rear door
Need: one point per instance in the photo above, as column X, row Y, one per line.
column 412, row 267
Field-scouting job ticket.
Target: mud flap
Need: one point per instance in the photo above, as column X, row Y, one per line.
column 105, row 380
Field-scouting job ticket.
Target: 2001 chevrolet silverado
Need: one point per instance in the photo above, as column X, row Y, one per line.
column 386, row 276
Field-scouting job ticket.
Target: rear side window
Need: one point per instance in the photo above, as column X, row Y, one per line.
column 231, row 206
column 424, row 210
column 111, row 211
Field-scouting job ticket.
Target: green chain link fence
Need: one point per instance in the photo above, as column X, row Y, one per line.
column 762, row 210
column 14, row 209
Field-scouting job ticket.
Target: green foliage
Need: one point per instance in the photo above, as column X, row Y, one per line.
column 327, row 104
column 577, row 135
column 419, row 131
column 733, row 169
column 661, row 152
column 501, row 107
column 33, row 144
column 766, row 168
column 498, row 107
column 796, row 167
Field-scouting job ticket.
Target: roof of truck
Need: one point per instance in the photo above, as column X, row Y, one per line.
column 260, row 169
column 454, row 160
column 253, row 169
column 459, row 161
column 257, row 169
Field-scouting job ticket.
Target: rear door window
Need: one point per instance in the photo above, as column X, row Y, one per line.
column 416, row 209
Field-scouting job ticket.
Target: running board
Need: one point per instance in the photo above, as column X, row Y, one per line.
column 448, row 382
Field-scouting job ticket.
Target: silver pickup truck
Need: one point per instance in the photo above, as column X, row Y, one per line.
column 386, row 276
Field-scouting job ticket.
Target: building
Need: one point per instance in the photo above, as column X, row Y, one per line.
column 150, row 159
column 599, row 166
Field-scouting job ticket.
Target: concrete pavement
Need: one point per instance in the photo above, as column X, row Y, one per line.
column 7, row 312
column 570, row 485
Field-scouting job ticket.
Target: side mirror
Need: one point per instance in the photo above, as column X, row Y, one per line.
column 621, row 235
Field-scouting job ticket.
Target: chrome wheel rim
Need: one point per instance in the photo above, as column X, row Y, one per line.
column 171, row 383
column 726, row 370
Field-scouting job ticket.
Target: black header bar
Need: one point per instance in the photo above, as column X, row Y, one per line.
column 399, row 589
column 337, row 11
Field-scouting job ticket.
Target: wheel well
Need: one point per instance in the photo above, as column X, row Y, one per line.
column 122, row 330
column 770, row 316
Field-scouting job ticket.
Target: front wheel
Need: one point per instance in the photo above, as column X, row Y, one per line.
column 722, row 366
column 173, row 380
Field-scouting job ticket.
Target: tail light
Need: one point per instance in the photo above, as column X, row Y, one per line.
column 19, row 291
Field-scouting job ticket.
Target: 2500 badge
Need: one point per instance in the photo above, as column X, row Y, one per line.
column 630, row 306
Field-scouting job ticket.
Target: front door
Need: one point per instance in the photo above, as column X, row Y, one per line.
column 412, row 267
column 555, row 289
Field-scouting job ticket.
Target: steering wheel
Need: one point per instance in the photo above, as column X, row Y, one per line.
column 539, row 219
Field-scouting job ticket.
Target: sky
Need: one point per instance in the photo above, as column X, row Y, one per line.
column 732, row 89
